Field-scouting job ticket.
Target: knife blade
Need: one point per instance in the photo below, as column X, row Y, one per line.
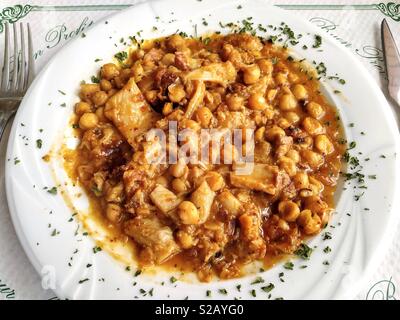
column 392, row 61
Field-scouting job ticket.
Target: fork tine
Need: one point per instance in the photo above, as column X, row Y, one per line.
column 6, row 64
column 16, row 61
column 31, row 70
column 22, row 78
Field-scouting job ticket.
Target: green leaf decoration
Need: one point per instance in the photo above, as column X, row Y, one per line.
column 13, row 14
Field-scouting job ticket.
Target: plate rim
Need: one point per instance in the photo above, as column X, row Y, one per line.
column 385, row 238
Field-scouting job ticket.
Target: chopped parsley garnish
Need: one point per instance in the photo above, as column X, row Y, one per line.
column 84, row 280
column 327, row 249
column 317, row 41
column 137, row 273
column 52, row 191
column 304, row 251
column 62, row 92
column 173, row 279
column 95, row 79
column 268, row 288
column 96, row 249
column 238, row 287
column 327, row 236
column 39, row 143
column 253, row 293
column 121, row 56
column 288, row 265
column 208, row 293
column 222, row 291
column 258, row 280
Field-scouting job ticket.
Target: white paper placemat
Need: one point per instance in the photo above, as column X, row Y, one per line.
column 355, row 24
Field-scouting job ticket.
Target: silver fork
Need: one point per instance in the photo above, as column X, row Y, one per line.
column 17, row 75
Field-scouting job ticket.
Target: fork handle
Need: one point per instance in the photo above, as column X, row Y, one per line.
column 5, row 116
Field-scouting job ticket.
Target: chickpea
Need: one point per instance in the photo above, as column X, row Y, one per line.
column 283, row 123
column 292, row 117
column 251, row 74
column 259, row 134
column 176, row 93
column 323, row 144
column 315, row 204
column 273, row 133
column 310, row 222
column 151, row 95
column 109, row 71
column 293, row 78
column 99, row 98
column 105, row 85
column 114, row 212
column 82, row 107
column 230, row 203
column 271, row 94
column 234, row 102
column 188, row 213
column 281, row 79
column 87, row 90
column 100, row 114
column 162, row 180
column 178, row 169
column 301, row 180
column 179, row 185
column 167, row 108
column 315, row 160
column 315, row 110
column 185, row 240
column 305, row 143
column 137, row 71
column 204, row 116
column 312, row 126
column 191, row 124
column 168, row 59
column 288, row 165
column 88, row 121
column 305, row 193
column 215, row 181
column 111, row 92
column 257, row 101
column 266, row 66
column 288, row 210
column 175, row 42
column 300, row 92
column 294, row 155
column 287, row 102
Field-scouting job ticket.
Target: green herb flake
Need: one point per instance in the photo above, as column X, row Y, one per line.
column 96, row 249
column 258, row 280
column 288, row 265
column 223, row 291
column 326, row 236
column 173, row 279
column 52, row 191
column 121, row 56
column 39, row 143
column 317, row 41
column 304, row 251
column 268, row 288
column 327, row 249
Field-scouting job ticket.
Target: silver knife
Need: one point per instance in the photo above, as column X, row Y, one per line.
column 392, row 61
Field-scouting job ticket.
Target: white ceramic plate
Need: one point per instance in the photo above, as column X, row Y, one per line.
column 61, row 252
